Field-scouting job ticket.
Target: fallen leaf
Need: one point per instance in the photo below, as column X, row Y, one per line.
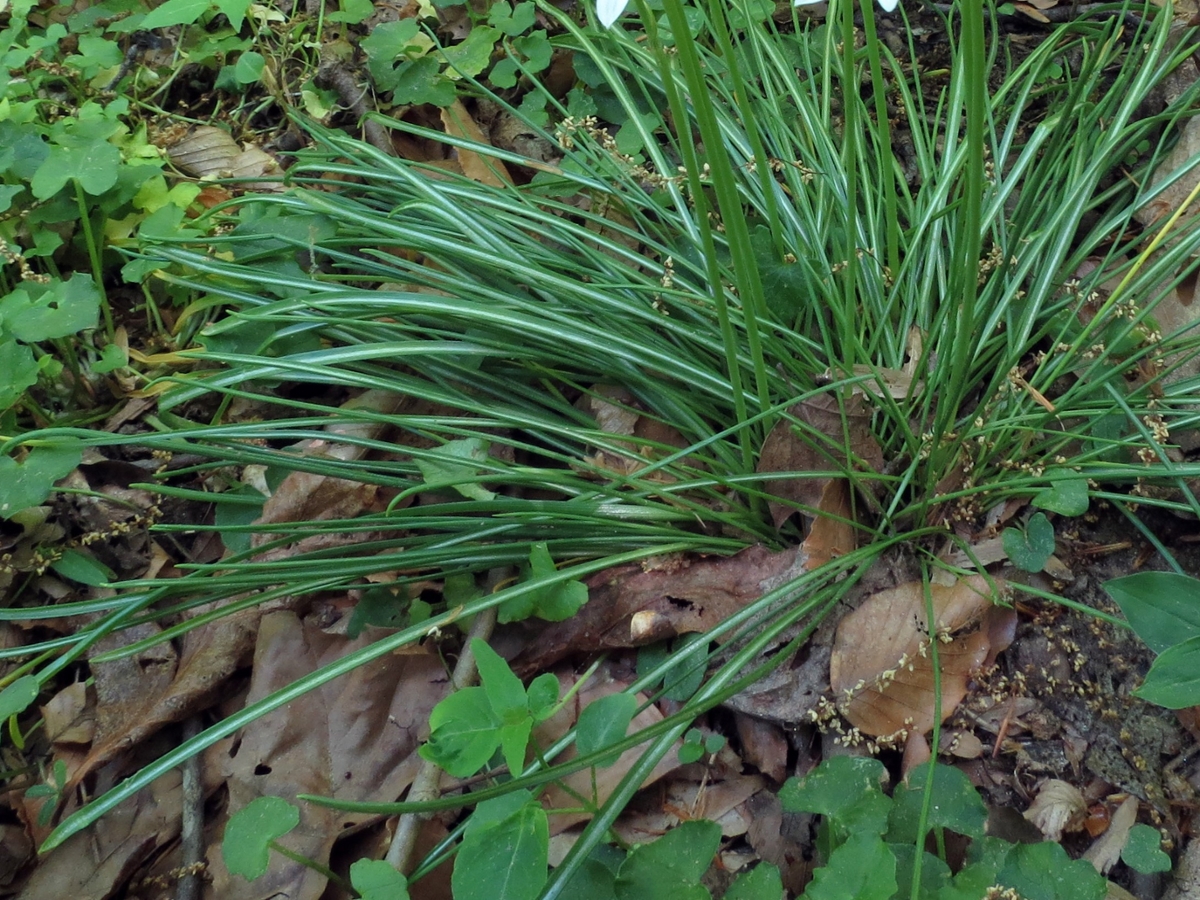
column 824, row 439
column 352, row 739
column 94, row 863
column 880, row 670
column 210, row 152
column 693, row 598
column 485, row 169
column 67, row 716
column 1058, row 807
column 764, row 746
column 1105, row 851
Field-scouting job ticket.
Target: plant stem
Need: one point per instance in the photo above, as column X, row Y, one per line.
column 311, row 864
column 93, row 249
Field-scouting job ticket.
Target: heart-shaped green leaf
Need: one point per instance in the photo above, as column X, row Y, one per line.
column 1031, row 548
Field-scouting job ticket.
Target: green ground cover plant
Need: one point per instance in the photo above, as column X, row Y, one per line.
column 727, row 237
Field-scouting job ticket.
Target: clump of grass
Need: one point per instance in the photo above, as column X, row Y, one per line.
column 719, row 284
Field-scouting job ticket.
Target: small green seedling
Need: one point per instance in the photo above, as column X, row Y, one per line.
column 253, row 832
column 471, row 724
column 1164, row 611
column 1143, row 851
column 868, row 843
column 51, row 791
column 697, row 745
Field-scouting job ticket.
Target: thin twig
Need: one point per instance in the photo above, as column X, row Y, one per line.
column 425, row 785
column 192, row 830
column 335, row 77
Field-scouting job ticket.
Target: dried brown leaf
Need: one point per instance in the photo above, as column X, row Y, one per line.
column 354, row 739
column 1058, row 807
column 880, row 670
column 692, row 597
column 820, row 449
column 208, row 151
column 485, row 169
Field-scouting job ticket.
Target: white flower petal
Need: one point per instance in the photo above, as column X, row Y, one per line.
column 608, row 11
column 888, row 5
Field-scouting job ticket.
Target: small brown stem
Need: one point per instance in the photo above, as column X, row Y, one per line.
column 336, row 78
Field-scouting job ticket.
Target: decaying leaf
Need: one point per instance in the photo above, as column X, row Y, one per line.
column 832, row 439
column 484, row 169
column 1058, row 807
column 354, row 738
column 881, row 672
column 211, row 653
column 210, row 152
column 691, row 597
column 1105, row 851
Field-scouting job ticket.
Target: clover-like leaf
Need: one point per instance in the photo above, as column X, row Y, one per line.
column 1031, row 548
column 1067, row 496
column 1143, row 851
column 465, row 732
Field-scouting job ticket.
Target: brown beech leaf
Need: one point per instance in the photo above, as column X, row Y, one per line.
column 208, row 151
column 820, row 449
column 354, row 739
column 832, row 533
column 687, row 596
column 485, row 169
column 880, row 670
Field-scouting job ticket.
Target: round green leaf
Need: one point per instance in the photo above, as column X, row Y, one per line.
column 375, row 879
column 1143, row 851
column 246, row 845
column 1163, row 608
column 1066, row 496
column 17, row 696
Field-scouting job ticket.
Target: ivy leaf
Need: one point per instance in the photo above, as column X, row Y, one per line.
column 454, row 463
column 248, row 835
column 863, row 868
column 29, row 482
column 1032, row 548
column 543, row 695
column 763, row 882
column 672, row 866
column 95, row 165
column 17, row 372
column 553, row 603
column 1143, row 851
column 235, row 12
column 1163, row 608
column 471, row 56
column 17, row 697
column 504, row 690
column 1045, row 870
column 384, row 46
column 422, row 81
column 956, row 805
column 60, row 309
column 465, row 733
column 604, row 722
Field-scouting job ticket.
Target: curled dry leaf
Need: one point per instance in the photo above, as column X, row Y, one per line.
column 1058, row 807
column 1106, row 849
column 209, row 152
column 880, row 670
